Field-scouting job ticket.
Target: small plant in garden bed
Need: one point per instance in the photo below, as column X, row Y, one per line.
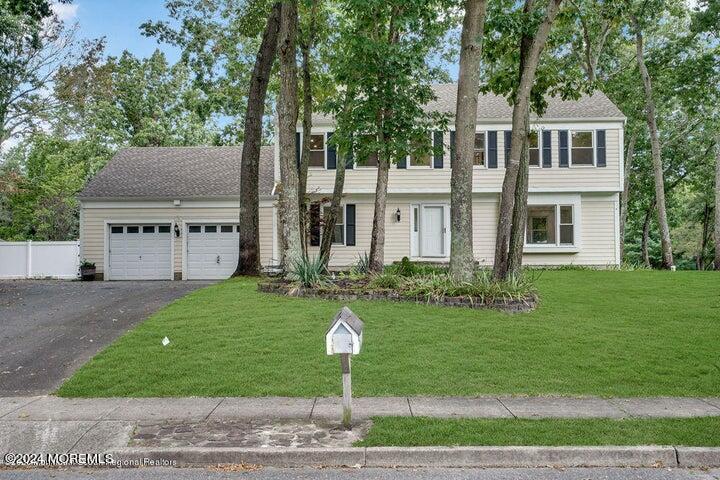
column 410, row 282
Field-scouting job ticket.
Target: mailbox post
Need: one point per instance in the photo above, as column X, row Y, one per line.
column 344, row 337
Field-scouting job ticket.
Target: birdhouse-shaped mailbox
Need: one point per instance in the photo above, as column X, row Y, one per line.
column 345, row 333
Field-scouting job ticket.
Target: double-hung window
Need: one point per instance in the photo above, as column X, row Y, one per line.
column 339, row 231
column 479, row 151
column 317, row 150
column 550, row 225
column 534, row 144
column 422, row 153
column 582, row 148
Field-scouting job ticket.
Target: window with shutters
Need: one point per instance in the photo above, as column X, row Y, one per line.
column 552, row 225
column 422, row 155
column 582, row 148
column 317, row 150
column 479, row 151
column 339, row 231
column 534, row 144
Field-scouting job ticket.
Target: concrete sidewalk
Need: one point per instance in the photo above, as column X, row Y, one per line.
column 304, row 431
column 49, row 408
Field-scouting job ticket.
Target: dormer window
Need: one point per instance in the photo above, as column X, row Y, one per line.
column 317, row 150
column 479, row 152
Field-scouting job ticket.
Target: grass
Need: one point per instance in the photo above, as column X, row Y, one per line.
column 607, row 333
column 419, row 431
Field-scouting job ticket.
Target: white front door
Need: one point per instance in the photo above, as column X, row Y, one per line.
column 212, row 251
column 140, row 252
column 432, row 232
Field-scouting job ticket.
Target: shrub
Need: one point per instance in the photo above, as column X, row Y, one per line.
column 309, row 272
column 482, row 287
column 385, row 280
column 362, row 266
column 407, row 268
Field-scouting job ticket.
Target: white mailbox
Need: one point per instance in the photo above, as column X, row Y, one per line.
column 345, row 333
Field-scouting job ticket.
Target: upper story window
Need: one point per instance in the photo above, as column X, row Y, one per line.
column 534, row 143
column 317, row 150
column 550, row 225
column 479, row 153
column 583, row 148
column 368, row 160
column 422, row 159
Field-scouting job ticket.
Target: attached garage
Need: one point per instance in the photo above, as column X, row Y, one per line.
column 172, row 213
column 140, row 252
column 211, row 251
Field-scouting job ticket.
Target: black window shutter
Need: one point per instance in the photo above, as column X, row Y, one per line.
column 547, row 148
column 297, row 150
column 508, row 141
column 563, row 144
column 492, row 149
column 315, row 224
column 438, row 150
column 600, row 154
column 452, row 147
column 331, row 153
column 350, row 224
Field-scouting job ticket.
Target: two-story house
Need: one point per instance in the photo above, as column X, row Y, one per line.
column 172, row 212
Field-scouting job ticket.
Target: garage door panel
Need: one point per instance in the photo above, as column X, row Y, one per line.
column 212, row 251
column 140, row 252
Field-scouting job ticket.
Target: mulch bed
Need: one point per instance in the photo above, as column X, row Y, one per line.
column 350, row 290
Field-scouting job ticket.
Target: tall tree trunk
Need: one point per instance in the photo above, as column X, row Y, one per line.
column 518, row 138
column 626, row 191
column 287, row 120
column 717, row 204
column 667, row 256
column 519, row 219
column 700, row 260
column 462, row 261
column 645, row 250
column 305, row 48
column 249, row 243
column 377, row 240
column 333, row 212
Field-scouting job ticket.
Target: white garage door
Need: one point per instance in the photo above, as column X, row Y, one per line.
column 140, row 252
column 212, row 251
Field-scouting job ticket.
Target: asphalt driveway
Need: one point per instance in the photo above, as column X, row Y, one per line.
column 50, row 328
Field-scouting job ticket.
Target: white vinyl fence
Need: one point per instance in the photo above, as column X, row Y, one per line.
column 39, row 259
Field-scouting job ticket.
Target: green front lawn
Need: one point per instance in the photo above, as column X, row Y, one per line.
column 604, row 333
column 417, row 432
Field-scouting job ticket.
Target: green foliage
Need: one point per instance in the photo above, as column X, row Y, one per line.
column 87, row 263
column 40, row 181
column 309, row 272
column 406, row 268
column 385, row 280
column 483, row 287
column 362, row 266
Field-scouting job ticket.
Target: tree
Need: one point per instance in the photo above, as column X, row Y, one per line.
column 249, row 251
column 717, row 205
column 34, row 44
column 629, row 154
column 380, row 56
column 667, row 257
column 531, row 46
column 287, row 123
column 332, row 213
column 462, row 261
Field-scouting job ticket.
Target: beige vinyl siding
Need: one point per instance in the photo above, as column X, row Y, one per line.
column 578, row 178
column 93, row 227
column 596, row 231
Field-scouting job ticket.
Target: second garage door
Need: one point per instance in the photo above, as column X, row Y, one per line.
column 212, row 251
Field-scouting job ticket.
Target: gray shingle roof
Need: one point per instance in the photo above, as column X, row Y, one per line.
column 496, row 107
column 177, row 172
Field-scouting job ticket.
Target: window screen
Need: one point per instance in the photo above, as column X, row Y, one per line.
column 317, row 150
column 479, row 154
column 582, row 148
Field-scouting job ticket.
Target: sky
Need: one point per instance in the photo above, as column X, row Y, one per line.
column 118, row 21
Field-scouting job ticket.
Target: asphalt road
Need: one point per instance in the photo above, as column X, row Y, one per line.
column 50, row 328
column 369, row 474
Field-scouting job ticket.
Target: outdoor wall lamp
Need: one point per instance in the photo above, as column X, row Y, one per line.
column 177, row 231
column 397, row 215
